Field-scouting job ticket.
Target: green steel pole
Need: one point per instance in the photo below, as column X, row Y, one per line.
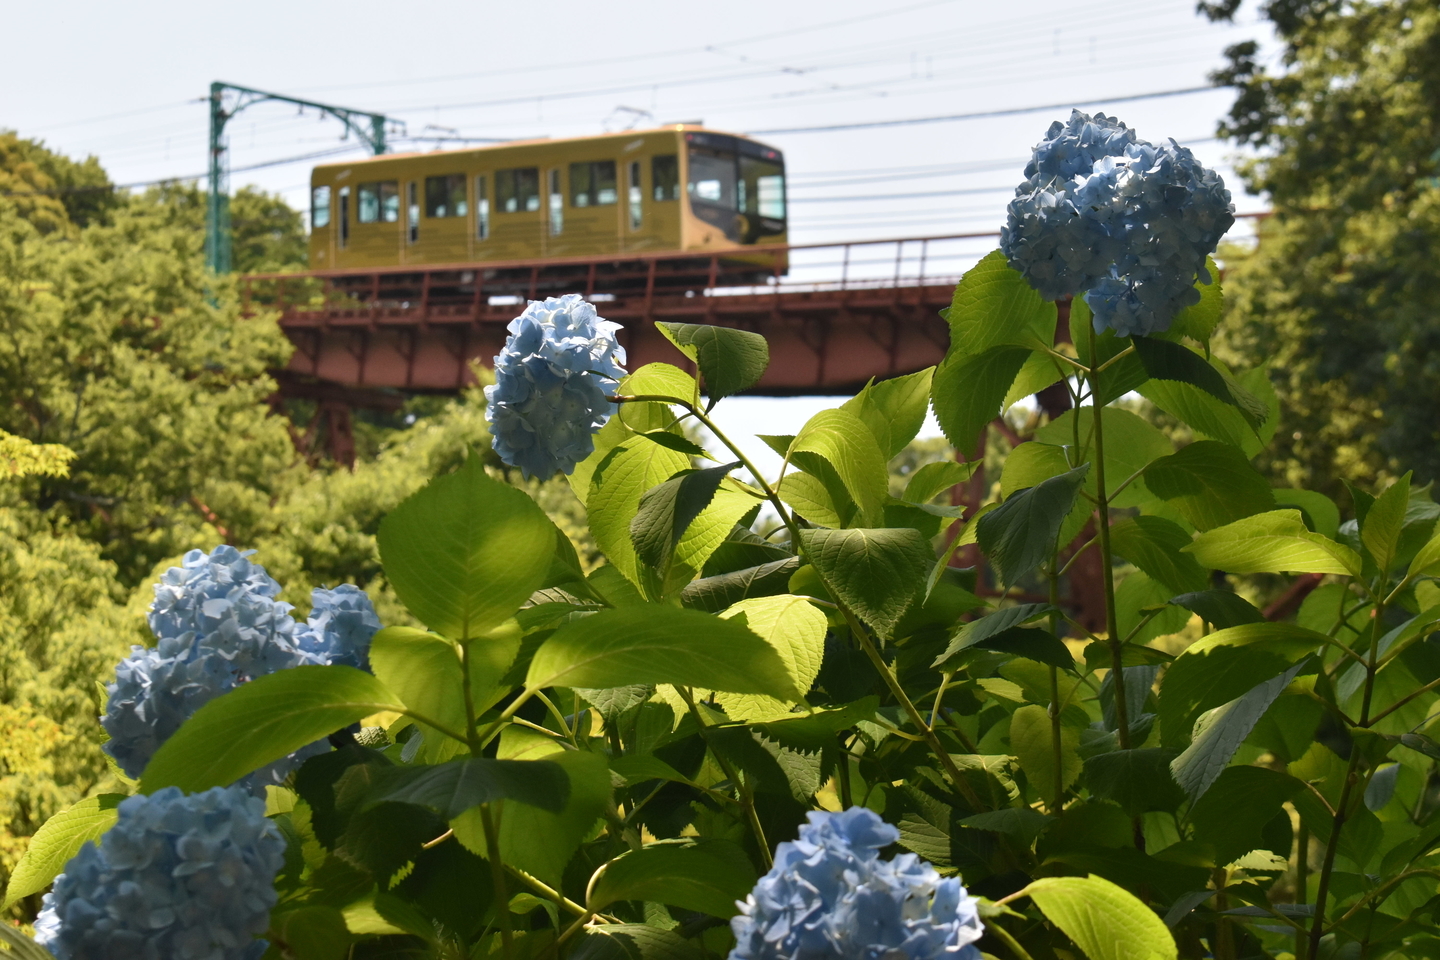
column 218, row 238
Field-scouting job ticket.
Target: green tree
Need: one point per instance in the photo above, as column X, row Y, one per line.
column 1342, row 296
column 51, row 190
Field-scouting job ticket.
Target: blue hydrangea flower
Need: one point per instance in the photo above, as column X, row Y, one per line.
column 1128, row 222
column 830, row 897
column 340, row 626
column 218, row 624
column 176, row 878
column 558, row 365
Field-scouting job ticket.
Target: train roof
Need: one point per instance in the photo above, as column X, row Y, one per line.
column 540, row 141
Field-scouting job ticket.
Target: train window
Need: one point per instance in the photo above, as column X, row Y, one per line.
column 482, row 210
column 319, row 207
column 593, row 184
column 445, row 196
column 378, row 201
column 712, row 177
column 517, row 190
column 665, row 175
column 557, row 205
column 412, row 196
column 367, row 203
column 761, row 188
column 635, row 195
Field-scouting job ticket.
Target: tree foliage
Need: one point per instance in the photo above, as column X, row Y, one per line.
column 1342, row 294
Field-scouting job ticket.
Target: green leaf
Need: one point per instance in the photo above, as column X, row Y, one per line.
column 730, row 360
column 713, row 594
column 452, row 788
column 708, row 876
column 968, row 392
column 893, row 409
column 993, row 305
column 20, row 946
column 1210, row 484
column 1154, row 544
column 1234, row 811
column 1380, row 533
column 1031, row 464
column 1226, row 728
column 640, row 417
column 1138, row 780
column 311, row 933
column 1272, row 542
column 59, row 839
column 1167, row 360
column 1033, row 743
column 629, row 470
column 1198, row 321
column 1104, row 920
column 1039, row 371
column 667, row 510
column 1319, row 511
column 540, row 842
column 424, row 671
column 676, row 442
column 844, row 441
column 1042, row 646
column 1223, row 665
column 464, row 552
column 660, row 644
column 796, row 629
column 1220, row 608
column 933, row 479
column 658, row 379
column 807, row 495
column 996, row 624
column 1131, row 443
column 633, row 941
column 877, row 573
column 261, row 721
column 1021, row 533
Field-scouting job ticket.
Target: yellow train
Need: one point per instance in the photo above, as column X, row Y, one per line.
column 679, row 188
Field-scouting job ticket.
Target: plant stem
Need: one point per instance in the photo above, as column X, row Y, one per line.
column 545, row 890
column 936, row 747
column 842, row 769
column 747, row 798
column 1057, row 747
column 1003, row 935
column 472, row 739
column 497, row 876
column 1107, row 568
column 1302, row 880
column 1352, row 777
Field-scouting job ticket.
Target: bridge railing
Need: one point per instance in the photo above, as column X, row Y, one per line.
column 828, row 268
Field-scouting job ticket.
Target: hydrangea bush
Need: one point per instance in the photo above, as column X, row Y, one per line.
column 177, row 876
column 870, row 726
column 830, row 895
column 217, row 625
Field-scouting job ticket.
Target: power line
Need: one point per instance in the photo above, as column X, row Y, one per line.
column 1013, row 111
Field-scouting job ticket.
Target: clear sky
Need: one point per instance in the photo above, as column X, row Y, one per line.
column 126, row 82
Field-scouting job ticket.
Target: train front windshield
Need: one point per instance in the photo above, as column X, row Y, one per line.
column 741, row 191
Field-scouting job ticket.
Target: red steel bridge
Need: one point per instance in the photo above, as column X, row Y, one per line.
column 835, row 314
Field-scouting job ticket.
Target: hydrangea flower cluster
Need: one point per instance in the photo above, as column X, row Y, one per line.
column 558, row 365
column 175, row 877
column 1126, row 221
column 218, row 625
column 830, row 897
